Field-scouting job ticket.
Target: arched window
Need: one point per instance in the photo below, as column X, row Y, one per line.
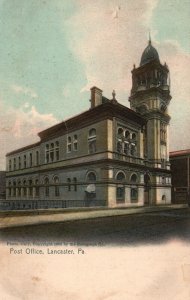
column 57, row 150
column 92, row 133
column 120, row 176
column 91, row 177
column 92, row 141
column 127, row 134
column 56, row 187
column 69, row 184
column 120, row 131
column 120, row 188
column 46, row 183
column 75, row 143
column 134, row 137
column 134, row 178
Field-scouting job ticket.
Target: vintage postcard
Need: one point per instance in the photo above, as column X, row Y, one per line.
column 94, row 149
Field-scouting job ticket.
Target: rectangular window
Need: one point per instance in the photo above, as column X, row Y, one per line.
column 19, row 163
column 92, row 146
column 30, row 159
column 75, row 146
column 10, row 165
column 14, row 163
column 69, row 148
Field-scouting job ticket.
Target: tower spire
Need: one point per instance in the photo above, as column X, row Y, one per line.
column 149, row 40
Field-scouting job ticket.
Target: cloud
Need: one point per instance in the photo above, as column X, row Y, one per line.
column 24, row 90
column 19, row 127
column 179, row 64
column 108, row 46
column 109, row 38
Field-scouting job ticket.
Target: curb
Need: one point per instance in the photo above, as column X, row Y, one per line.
column 82, row 215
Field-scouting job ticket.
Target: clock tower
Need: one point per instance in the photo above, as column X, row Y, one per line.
column 150, row 97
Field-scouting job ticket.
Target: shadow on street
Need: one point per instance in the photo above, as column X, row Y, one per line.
column 149, row 228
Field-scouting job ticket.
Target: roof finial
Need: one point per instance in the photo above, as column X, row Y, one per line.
column 114, row 99
column 113, row 94
column 149, row 40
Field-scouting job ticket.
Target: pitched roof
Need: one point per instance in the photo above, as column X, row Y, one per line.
column 106, row 110
column 179, row 153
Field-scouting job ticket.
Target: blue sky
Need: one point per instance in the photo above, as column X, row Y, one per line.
column 52, row 52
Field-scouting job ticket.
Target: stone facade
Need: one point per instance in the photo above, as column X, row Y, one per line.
column 109, row 155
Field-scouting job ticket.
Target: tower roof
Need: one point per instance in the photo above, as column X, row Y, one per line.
column 149, row 54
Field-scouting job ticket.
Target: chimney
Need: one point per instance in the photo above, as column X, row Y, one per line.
column 96, row 96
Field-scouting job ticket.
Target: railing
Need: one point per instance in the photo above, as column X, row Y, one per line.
column 48, row 204
column 130, row 159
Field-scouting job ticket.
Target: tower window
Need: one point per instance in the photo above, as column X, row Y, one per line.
column 127, row 134
column 120, row 131
column 119, row 147
column 126, row 148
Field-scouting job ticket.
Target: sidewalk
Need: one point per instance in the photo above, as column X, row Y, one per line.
column 65, row 216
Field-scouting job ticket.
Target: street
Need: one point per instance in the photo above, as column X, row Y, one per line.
column 137, row 229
